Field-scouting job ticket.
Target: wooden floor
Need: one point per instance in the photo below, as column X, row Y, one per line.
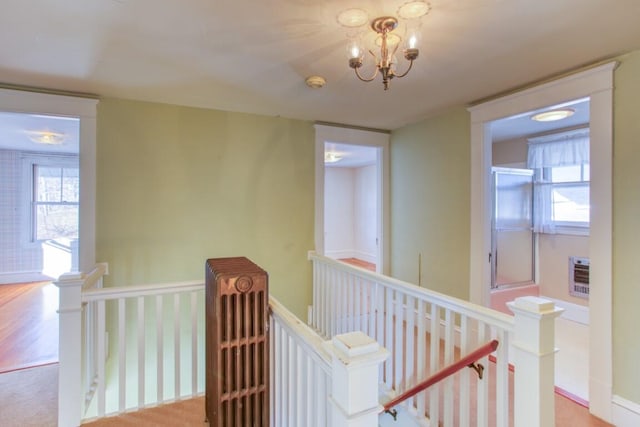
column 359, row 263
column 28, row 325
column 191, row 413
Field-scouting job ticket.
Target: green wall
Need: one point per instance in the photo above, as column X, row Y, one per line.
column 626, row 228
column 430, row 172
column 178, row 185
column 430, row 213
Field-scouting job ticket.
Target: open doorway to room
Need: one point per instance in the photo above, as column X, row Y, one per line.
column 540, row 226
column 352, row 182
column 350, row 208
column 39, row 220
column 595, row 84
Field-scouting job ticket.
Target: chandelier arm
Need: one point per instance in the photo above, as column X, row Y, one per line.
column 375, row 73
column 406, row 72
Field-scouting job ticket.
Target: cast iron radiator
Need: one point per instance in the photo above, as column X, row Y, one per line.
column 237, row 343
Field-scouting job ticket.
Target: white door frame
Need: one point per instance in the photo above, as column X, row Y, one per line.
column 17, row 101
column 341, row 135
column 597, row 84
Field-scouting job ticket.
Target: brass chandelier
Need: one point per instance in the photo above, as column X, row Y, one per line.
column 389, row 42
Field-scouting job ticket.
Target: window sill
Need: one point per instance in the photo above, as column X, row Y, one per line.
column 571, row 231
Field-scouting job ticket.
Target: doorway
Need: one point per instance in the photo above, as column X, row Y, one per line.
column 541, row 223
column 597, row 85
column 351, row 209
column 48, row 147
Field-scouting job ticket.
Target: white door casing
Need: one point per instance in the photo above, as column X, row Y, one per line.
column 342, row 135
column 597, row 84
column 18, row 101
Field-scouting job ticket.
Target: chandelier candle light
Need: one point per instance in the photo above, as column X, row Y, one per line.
column 388, row 41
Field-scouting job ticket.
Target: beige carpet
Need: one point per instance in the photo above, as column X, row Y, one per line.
column 29, row 397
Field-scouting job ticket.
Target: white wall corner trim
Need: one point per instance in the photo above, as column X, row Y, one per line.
column 625, row 412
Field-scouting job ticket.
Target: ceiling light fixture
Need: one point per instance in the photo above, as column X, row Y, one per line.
column 46, row 137
column 315, row 82
column 387, row 40
column 553, row 115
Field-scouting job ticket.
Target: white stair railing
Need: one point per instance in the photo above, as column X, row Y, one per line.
column 317, row 383
column 157, row 355
column 426, row 330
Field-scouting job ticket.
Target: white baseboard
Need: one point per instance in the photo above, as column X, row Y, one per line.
column 365, row 256
column 23, row 277
column 574, row 312
column 625, row 412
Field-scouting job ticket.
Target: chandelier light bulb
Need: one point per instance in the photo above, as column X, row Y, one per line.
column 355, row 53
column 413, row 38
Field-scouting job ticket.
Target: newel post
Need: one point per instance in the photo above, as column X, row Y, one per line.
column 354, row 392
column 70, row 350
column 533, row 355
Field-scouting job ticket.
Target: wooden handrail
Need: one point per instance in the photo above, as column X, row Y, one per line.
column 468, row 360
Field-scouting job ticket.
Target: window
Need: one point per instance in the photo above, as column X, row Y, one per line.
column 561, row 186
column 52, row 201
column 55, row 204
column 569, row 195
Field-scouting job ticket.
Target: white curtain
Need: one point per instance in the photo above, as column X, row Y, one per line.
column 565, row 152
column 547, row 152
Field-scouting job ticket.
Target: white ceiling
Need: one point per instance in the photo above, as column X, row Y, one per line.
column 17, row 130
column 254, row 56
column 521, row 125
column 351, row 156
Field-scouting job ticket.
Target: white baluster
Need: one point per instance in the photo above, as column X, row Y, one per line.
column 482, row 386
column 122, row 355
column 421, row 357
column 102, row 357
column 141, row 352
column 434, row 362
column 194, row 344
column 449, row 344
column 464, row 391
column 176, row 345
column 502, row 380
column 160, row 347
